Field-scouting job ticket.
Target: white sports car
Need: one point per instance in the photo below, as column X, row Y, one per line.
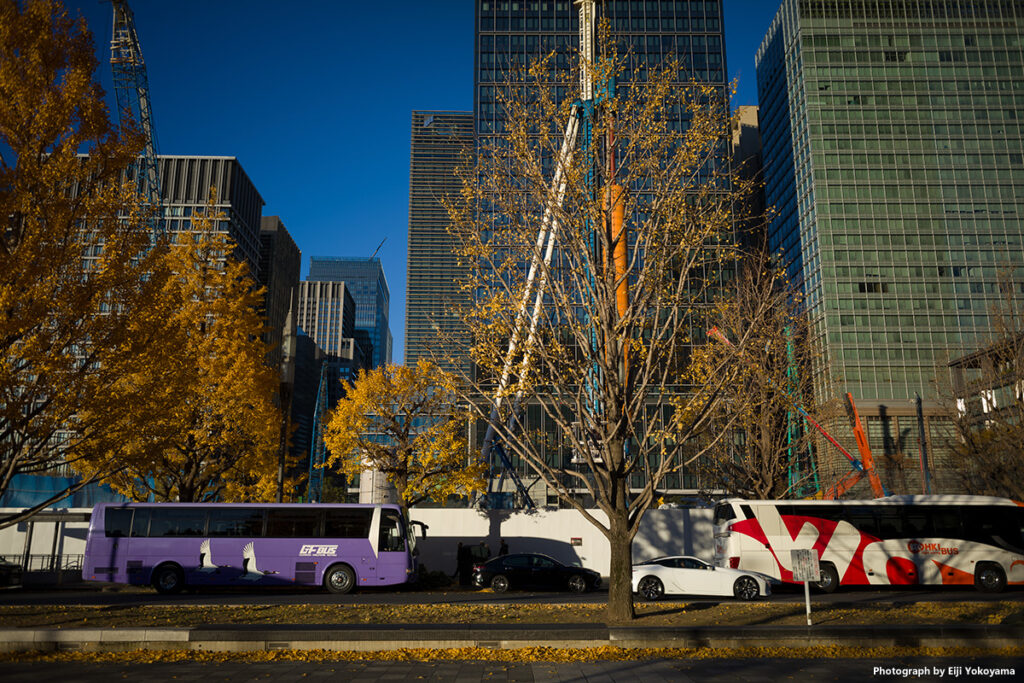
column 682, row 575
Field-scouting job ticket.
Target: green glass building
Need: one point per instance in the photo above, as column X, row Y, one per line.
column 894, row 158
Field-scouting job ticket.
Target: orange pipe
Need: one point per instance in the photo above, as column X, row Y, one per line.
column 616, row 206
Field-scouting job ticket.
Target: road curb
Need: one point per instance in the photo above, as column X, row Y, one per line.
column 375, row 638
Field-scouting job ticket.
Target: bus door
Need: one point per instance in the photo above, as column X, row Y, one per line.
column 392, row 554
column 109, row 538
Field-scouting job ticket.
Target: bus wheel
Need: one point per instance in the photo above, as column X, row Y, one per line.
column 829, row 581
column 168, row 579
column 989, row 578
column 340, row 579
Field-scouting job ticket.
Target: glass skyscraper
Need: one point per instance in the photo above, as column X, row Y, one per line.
column 439, row 142
column 364, row 279
column 894, row 156
column 514, row 35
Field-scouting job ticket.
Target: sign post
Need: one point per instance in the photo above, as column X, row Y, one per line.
column 805, row 568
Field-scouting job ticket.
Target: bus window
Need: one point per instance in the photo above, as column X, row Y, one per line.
column 140, row 523
column 890, row 522
column 390, row 532
column 235, row 522
column 179, row 522
column 347, row 523
column 293, row 523
column 862, row 518
column 117, row 522
column 993, row 526
column 830, row 512
column 915, row 522
column 945, row 522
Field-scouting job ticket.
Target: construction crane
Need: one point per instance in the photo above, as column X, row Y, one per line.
column 131, row 88
column 865, row 468
column 518, row 357
column 318, row 447
column 859, row 469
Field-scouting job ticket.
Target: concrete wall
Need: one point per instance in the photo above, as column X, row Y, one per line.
column 562, row 534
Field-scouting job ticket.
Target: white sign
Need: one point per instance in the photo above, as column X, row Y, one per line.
column 805, row 565
column 318, row 551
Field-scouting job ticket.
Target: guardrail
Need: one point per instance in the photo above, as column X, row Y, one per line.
column 52, row 563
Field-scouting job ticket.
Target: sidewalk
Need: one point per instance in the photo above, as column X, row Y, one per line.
column 245, row 638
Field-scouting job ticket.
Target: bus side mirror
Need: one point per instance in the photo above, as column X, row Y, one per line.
column 422, row 527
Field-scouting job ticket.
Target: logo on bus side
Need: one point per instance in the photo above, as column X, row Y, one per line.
column 318, row 551
column 931, row 549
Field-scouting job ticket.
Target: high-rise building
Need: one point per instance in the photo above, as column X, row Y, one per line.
column 515, row 34
column 894, row 156
column 330, row 352
column 439, row 143
column 327, row 313
column 511, row 36
column 186, row 183
column 280, row 268
column 366, row 283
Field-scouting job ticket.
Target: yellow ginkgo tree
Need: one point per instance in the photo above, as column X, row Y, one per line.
column 74, row 251
column 217, row 429
column 405, row 423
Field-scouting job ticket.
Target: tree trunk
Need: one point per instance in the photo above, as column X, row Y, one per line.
column 620, row 545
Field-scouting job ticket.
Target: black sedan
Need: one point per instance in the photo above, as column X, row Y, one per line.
column 532, row 570
column 10, row 573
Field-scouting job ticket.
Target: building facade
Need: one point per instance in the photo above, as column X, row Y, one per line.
column 365, row 281
column 327, row 314
column 517, row 34
column 894, row 156
column 440, row 141
column 187, row 184
column 280, row 266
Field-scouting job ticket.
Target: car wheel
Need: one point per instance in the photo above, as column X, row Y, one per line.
column 745, row 588
column 829, row 581
column 651, row 588
column 168, row 579
column 989, row 578
column 499, row 584
column 340, row 579
column 577, row 583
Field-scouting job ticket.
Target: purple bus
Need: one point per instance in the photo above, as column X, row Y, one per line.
column 174, row 545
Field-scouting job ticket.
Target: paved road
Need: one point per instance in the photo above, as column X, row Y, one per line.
column 137, row 595
column 645, row 671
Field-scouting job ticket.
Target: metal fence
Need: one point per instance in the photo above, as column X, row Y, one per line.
column 46, row 563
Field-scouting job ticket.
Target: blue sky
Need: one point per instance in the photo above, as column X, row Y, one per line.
column 315, row 101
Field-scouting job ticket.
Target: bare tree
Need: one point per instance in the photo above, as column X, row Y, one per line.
column 641, row 228
column 768, row 454
column 985, row 404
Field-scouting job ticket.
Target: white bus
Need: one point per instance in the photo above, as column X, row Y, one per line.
column 899, row 540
